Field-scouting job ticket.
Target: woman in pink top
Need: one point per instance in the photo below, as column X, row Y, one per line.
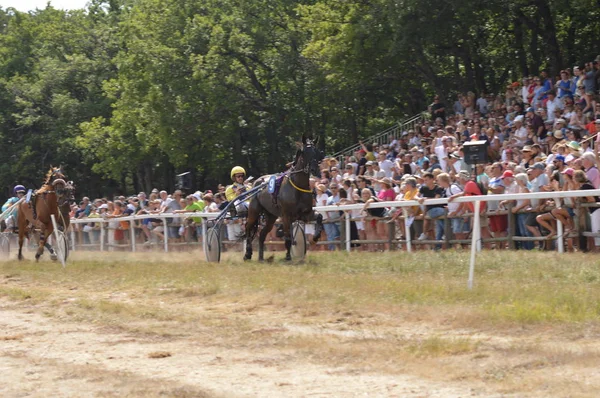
column 386, row 194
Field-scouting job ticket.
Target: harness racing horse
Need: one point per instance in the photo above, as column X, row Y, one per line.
column 293, row 202
column 45, row 202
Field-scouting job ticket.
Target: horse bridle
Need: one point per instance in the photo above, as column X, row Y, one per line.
column 305, row 169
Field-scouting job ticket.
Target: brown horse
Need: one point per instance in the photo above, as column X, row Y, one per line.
column 37, row 213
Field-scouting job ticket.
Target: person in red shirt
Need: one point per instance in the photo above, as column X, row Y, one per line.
column 472, row 189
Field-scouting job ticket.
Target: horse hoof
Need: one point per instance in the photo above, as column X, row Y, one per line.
column 247, row 258
column 288, row 258
column 53, row 257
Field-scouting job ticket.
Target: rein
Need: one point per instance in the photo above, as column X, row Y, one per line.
column 305, row 170
column 297, row 187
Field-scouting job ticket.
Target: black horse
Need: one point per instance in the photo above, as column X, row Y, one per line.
column 294, row 202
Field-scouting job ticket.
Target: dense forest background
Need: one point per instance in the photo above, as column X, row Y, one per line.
column 128, row 93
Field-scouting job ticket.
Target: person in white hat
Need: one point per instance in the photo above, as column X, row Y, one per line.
column 520, row 132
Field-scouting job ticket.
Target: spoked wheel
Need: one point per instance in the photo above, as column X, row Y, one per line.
column 298, row 249
column 213, row 244
column 4, row 246
column 61, row 246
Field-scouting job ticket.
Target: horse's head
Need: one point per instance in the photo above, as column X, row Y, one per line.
column 53, row 174
column 310, row 155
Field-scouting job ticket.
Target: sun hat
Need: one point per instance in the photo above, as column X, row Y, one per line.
column 464, row 174
column 321, row 187
column 507, row 174
column 558, row 134
column 539, row 166
column 387, row 181
column 569, row 171
column 526, row 148
column 574, row 145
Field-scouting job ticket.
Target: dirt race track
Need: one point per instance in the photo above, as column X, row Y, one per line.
column 49, row 346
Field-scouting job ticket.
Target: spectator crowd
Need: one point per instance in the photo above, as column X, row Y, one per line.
column 540, row 135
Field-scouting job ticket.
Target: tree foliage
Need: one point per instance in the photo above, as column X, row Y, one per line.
column 127, row 93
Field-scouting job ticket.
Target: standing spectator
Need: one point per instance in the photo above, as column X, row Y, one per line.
column 362, row 162
column 350, row 172
column 482, row 105
column 169, row 205
column 498, row 223
column 438, row 109
column 537, row 124
column 458, row 107
column 591, row 170
column 582, row 183
column 460, row 229
column 386, row 165
column 566, row 87
column 370, row 171
column 430, row 190
column 332, row 228
column 553, row 104
column 335, row 175
column 589, row 87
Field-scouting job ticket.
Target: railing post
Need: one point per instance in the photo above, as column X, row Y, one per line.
column 474, row 239
column 348, row 231
column 132, row 234
column 72, row 239
column 407, row 230
column 447, row 231
column 577, row 225
column 560, row 239
column 166, row 234
column 512, row 222
column 204, row 232
column 102, row 235
column 391, row 234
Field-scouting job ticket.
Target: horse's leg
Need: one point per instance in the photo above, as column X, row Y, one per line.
column 287, row 236
column 251, row 226
column 48, row 246
column 22, row 226
column 263, row 234
column 318, row 218
column 45, row 232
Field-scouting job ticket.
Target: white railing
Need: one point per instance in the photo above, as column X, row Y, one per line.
column 475, row 238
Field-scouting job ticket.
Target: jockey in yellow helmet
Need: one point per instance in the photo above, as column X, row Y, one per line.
column 238, row 176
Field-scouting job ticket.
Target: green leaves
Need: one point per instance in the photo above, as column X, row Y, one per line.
column 129, row 92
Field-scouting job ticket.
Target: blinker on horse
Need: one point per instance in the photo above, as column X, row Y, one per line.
column 37, row 213
column 294, row 202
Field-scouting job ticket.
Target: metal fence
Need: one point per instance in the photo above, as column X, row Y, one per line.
column 394, row 132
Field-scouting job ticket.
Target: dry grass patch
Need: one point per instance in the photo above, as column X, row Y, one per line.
column 392, row 312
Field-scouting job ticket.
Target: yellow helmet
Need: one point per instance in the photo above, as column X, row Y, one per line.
column 237, row 170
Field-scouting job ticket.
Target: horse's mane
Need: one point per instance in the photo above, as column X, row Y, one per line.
column 47, row 185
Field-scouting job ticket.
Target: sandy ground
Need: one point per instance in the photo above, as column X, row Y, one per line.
column 45, row 353
column 41, row 357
